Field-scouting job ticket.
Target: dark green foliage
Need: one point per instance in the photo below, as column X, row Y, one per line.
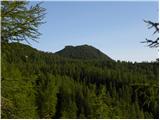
column 46, row 95
column 82, row 52
column 45, row 85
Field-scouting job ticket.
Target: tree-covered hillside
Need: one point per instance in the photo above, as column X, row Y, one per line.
column 82, row 52
column 37, row 84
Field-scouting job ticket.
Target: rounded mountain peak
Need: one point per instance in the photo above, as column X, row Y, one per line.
column 82, row 52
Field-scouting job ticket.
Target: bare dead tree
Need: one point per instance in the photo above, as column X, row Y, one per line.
column 152, row 43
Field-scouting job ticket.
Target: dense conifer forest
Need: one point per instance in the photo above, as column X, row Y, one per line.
column 76, row 82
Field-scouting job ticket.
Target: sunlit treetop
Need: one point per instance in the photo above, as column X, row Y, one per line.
column 20, row 21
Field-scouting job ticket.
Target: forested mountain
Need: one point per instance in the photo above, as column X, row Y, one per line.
column 82, row 52
column 76, row 82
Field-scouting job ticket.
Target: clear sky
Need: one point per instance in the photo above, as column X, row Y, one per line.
column 115, row 28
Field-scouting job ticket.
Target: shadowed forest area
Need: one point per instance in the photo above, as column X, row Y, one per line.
column 78, row 82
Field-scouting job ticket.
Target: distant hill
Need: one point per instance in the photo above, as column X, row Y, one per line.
column 82, row 52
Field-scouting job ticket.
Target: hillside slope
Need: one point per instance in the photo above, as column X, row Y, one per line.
column 38, row 84
column 82, row 52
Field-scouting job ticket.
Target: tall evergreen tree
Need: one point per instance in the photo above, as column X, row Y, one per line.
column 19, row 22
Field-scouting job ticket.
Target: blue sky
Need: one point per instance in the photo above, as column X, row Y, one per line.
column 116, row 28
